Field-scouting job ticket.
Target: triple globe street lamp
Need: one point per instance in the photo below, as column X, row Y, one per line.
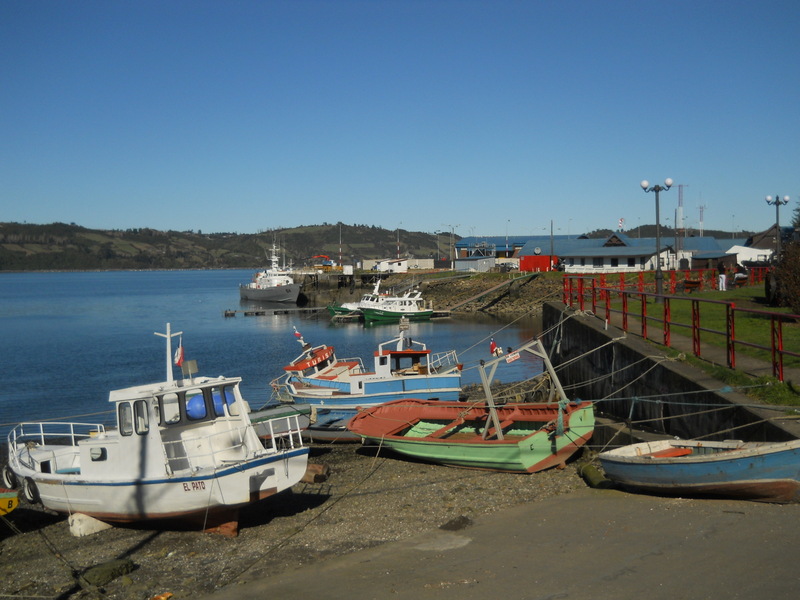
column 777, row 202
column 659, row 274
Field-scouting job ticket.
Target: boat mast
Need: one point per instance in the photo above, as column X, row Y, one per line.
column 534, row 347
column 487, row 389
column 169, row 336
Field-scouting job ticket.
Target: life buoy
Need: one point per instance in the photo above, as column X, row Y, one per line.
column 9, row 478
column 30, row 491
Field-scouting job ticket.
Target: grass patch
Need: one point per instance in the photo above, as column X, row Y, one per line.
column 752, row 328
column 767, row 390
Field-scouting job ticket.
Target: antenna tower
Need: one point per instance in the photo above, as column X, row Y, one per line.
column 679, row 222
column 702, row 207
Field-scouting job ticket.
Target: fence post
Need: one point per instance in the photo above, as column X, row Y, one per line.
column 624, row 311
column 696, row 327
column 730, row 310
column 644, row 315
column 667, row 320
column 777, row 347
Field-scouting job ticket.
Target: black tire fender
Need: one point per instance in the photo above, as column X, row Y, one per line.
column 9, row 478
column 30, row 491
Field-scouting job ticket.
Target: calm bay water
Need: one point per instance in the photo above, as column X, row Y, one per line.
column 66, row 339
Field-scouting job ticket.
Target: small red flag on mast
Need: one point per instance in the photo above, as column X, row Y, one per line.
column 179, row 354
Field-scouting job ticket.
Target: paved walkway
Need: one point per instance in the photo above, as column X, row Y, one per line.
column 592, row 544
column 589, row 545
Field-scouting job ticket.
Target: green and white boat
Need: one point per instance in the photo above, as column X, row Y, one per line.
column 386, row 308
column 514, row 437
column 410, row 308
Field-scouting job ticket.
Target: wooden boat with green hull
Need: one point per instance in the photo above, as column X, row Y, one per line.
column 514, row 437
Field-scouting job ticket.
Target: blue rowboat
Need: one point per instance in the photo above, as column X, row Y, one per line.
column 763, row 471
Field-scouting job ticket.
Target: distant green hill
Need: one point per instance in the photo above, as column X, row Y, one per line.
column 58, row 246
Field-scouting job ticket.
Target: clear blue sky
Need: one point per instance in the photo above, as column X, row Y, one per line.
column 490, row 117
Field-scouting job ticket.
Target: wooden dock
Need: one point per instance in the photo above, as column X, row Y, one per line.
column 263, row 312
column 295, row 310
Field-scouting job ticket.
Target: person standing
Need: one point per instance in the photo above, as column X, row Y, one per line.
column 722, row 277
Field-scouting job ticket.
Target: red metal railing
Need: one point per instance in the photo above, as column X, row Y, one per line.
column 581, row 290
column 677, row 280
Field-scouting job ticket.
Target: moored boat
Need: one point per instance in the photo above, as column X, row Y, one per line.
column 764, row 471
column 273, row 284
column 515, row 437
column 335, row 388
column 378, row 307
column 181, row 449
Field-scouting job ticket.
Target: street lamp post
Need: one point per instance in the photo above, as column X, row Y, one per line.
column 777, row 202
column 398, row 239
column 658, row 189
column 452, row 251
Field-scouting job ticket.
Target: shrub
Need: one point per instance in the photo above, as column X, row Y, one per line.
column 787, row 277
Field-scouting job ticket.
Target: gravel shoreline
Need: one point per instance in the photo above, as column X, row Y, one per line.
column 372, row 496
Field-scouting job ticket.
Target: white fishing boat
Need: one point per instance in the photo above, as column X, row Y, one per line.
column 181, row 449
column 274, row 284
column 377, row 306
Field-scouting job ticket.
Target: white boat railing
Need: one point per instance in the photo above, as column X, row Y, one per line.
column 442, row 361
column 44, row 432
column 359, row 368
column 285, row 438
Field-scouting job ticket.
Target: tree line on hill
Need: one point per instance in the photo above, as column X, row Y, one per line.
column 61, row 246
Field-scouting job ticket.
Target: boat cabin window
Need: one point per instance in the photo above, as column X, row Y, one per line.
column 170, row 410
column 141, row 417
column 98, row 454
column 383, row 360
column 125, row 418
column 406, row 362
column 222, row 396
column 196, row 405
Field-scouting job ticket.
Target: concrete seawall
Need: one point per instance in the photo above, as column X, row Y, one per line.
column 636, row 382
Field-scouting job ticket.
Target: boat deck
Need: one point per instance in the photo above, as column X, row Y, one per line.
column 463, row 431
